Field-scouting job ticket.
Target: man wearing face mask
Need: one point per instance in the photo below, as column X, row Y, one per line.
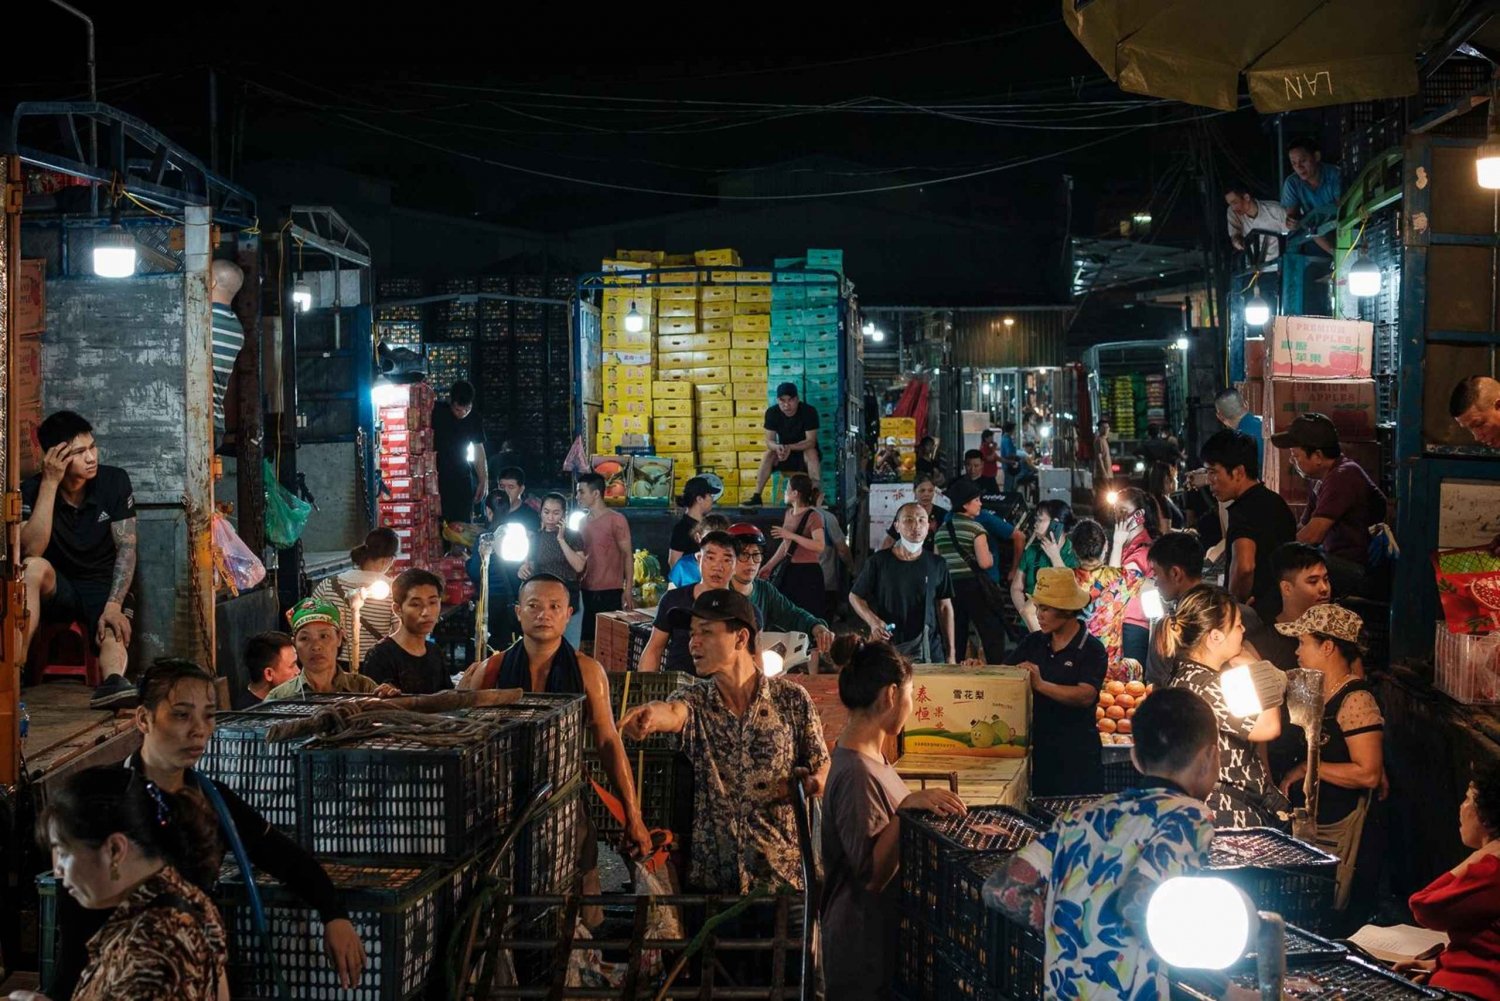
column 905, row 595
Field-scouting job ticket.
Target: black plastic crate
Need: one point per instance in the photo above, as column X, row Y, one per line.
column 381, row 797
column 960, row 980
column 916, row 959
column 1119, row 771
column 551, row 747
column 1303, row 948
column 48, row 887
column 546, row 853
column 1048, row 808
column 1348, row 979
column 1000, row 954
column 931, row 844
column 1279, row 873
column 663, row 783
column 632, row 689
column 261, row 772
column 402, row 915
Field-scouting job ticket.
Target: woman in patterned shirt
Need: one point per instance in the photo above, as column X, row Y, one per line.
column 121, row 844
column 1202, row 636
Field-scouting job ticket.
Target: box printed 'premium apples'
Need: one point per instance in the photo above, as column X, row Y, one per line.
column 976, row 711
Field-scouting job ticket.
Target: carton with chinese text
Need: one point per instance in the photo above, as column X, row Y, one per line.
column 993, row 781
column 972, row 711
column 1318, row 347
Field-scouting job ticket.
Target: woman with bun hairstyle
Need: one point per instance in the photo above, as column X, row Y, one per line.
column 861, row 832
column 125, row 847
column 372, row 561
column 802, row 541
column 1201, row 637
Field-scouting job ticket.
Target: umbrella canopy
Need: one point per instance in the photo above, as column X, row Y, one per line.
column 1293, row 53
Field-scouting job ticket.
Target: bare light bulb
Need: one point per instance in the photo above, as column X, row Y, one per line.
column 1238, row 688
column 634, row 321
column 1112, row 498
column 1183, row 343
column 576, row 520
column 114, row 253
column 877, row 335
column 378, row 590
column 302, row 296
column 771, row 663
column 515, row 544
column 1364, row 279
column 1487, row 164
column 1151, row 604
column 1200, row 923
column 1257, row 311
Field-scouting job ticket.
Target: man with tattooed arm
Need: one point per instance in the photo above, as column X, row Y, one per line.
column 78, row 541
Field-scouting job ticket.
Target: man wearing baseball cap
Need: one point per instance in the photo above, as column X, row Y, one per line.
column 746, row 735
column 317, row 635
column 1344, row 503
column 791, row 440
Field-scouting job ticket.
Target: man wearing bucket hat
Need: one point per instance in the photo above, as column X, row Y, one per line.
column 745, row 734
column 317, row 634
column 1067, row 668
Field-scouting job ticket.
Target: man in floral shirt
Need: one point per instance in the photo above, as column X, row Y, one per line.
column 746, row 735
column 1086, row 882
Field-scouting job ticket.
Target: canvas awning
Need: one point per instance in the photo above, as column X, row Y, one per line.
column 1294, row 54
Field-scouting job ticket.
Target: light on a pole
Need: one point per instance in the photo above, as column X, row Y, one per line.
column 1364, row 279
column 634, row 321
column 1183, row 343
column 515, row 544
column 1257, row 311
column 302, row 296
column 378, row 590
column 1251, row 689
column 114, row 252
column 1151, row 604
column 986, row 389
column 877, row 335
column 576, row 520
column 1200, row 922
column 1488, row 166
column 771, row 663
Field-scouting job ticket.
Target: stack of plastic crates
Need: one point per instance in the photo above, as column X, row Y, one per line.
column 1332, row 980
column 1278, row 872
column 663, row 777
column 262, row 773
column 947, row 934
column 1046, row 809
column 549, row 749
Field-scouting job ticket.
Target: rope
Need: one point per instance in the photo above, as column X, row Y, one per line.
column 422, row 728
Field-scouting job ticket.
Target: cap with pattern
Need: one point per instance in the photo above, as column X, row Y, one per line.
column 1328, row 620
column 311, row 611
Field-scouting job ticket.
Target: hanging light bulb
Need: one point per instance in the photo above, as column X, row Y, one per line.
column 877, row 335
column 515, row 544
column 986, row 389
column 576, row 520
column 114, row 249
column 634, row 321
column 1364, row 278
column 1487, row 159
column 1183, row 343
column 302, row 296
column 1257, row 311
column 378, row 590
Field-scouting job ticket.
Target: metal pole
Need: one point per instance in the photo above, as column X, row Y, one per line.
column 93, row 99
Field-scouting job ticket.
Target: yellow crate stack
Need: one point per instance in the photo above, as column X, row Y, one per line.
column 750, row 332
column 679, row 350
column 629, row 357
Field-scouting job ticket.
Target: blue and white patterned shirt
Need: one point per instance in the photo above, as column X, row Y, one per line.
column 1092, row 952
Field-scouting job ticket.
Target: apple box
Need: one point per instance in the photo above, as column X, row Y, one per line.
column 1318, row 347
column 976, row 712
column 996, row 781
column 1350, row 403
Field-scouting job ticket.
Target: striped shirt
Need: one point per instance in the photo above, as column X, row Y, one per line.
column 966, row 530
column 229, row 337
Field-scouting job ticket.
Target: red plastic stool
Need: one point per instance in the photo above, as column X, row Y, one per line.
column 62, row 650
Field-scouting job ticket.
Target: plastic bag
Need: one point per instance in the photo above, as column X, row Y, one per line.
column 1468, row 586
column 589, row 968
column 233, row 557
column 286, row 513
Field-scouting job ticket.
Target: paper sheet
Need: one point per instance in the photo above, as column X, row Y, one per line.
column 1399, row 942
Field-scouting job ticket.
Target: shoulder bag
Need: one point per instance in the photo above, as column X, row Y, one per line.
column 991, row 589
column 779, row 574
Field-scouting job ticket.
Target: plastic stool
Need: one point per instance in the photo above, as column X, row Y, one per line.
column 62, row 650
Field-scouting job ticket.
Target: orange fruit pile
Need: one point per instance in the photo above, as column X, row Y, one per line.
column 1118, row 701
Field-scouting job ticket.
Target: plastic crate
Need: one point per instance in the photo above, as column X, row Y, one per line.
column 1046, row 809
column 400, row 913
column 1303, row 948
column 930, row 845
column 1000, row 954
column 631, row 689
column 1467, row 668
column 1119, row 771
column 551, row 745
column 546, row 853
column 48, row 887
column 385, row 797
column 1348, row 979
column 262, row 773
column 663, row 783
column 916, row 959
column 1279, row 873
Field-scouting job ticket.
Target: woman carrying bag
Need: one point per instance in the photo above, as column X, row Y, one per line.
column 800, row 575
column 964, row 544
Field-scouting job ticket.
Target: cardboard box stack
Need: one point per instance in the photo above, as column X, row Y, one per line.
column 1314, row 364
column 409, row 503
column 628, row 362
column 31, row 319
column 903, row 431
column 804, row 345
column 973, row 721
column 885, row 500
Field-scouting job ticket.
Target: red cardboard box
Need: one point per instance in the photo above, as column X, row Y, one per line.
column 1318, row 347
column 1255, row 358
column 1350, row 403
column 31, row 297
column 28, row 418
column 29, row 371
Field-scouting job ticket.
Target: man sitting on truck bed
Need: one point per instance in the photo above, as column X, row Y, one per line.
column 791, row 440
column 79, row 546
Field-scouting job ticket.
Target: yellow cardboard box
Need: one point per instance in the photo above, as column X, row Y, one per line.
column 643, row 256
column 729, row 258
column 752, row 324
column 640, row 356
column 757, row 277
column 618, row 301
column 749, row 441
column 604, row 444
column 715, row 425
column 750, row 425
column 672, row 408
column 750, row 391
column 716, row 293
column 749, row 373
column 669, row 390
column 753, row 308
column 668, row 343
column 672, row 425
column 620, row 340
column 710, row 374
column 677, row 293
column 747, row 339
column 974, row 712
column 676, row 359
column 622, row 424
column 750, row 408
column 666, row 444
column 749, row 459
column 716, row 310
column 717, row 325
column 693, row 342
column 637, row 408
column 997, row 781
column 720, row 461
column 677, row 308
column 748, row 477
column 715, row 408
column 716, row 442
column 614, row 373
column 713, row 391
column 676, row 325
column 748, row 357
column 752, row 293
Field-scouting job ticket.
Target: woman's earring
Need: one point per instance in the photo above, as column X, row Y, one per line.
column 114, row 870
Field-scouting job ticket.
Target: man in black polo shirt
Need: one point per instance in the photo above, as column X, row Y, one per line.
column 791, row 440
column 79, row 545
